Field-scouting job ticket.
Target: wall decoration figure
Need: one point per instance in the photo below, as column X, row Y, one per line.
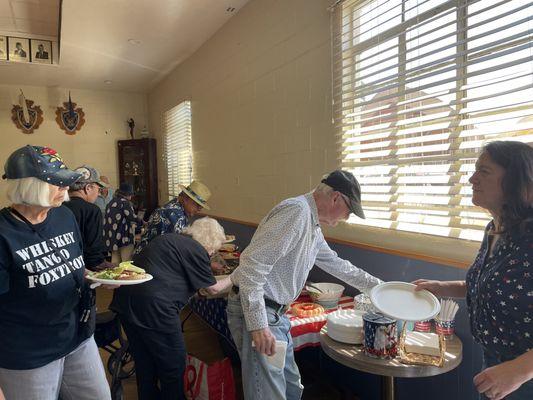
column 25, row 115
column 70, row 118
column 131, row 125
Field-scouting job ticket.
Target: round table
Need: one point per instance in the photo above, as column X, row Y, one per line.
column 352, row 356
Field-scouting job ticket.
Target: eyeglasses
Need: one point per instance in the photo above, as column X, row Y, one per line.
column 346, row 202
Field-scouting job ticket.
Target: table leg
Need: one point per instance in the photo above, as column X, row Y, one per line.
column 387, row 387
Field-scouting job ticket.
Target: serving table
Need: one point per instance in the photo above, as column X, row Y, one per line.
column 353, row 356
column 305, row 331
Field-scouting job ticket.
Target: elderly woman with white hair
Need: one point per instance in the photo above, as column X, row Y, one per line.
column 149, row 312
column 43, row 354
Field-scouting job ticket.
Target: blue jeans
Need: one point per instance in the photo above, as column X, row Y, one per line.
column 79, row 375
column 261, row 380
column 524, row 392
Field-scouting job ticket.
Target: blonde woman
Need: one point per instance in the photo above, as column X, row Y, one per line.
column 149, row 312
column 42, row 355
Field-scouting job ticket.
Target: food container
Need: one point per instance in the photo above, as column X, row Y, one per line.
column 326, row 294
column 362, row 302
column 381, row 339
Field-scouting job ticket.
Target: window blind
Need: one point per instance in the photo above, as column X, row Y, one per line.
column 178, row 146
column 419, row 86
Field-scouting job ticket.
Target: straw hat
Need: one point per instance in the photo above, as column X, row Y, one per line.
column 198, row 192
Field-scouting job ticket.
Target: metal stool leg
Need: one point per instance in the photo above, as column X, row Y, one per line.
column 387, row 387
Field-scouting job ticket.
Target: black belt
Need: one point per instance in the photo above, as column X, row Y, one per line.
column 279, row 308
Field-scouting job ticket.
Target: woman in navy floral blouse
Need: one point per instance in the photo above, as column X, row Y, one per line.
column 119, row 224
column 499, row 284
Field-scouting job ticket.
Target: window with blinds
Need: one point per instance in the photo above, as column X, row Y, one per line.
column 178, row 146
column 419, row 87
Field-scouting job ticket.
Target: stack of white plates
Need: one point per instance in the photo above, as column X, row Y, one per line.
column 346, row 326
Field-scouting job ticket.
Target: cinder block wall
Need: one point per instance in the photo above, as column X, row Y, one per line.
column 261, row 106
column 261, row 118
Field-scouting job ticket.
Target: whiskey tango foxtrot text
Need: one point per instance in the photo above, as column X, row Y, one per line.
column 43, row 265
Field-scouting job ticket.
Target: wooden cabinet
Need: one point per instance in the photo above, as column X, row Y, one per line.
column 137, row 164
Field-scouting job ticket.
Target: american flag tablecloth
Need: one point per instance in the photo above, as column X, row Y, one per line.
column 305, row 331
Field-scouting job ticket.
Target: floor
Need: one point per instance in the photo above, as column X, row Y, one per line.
column 202, row 341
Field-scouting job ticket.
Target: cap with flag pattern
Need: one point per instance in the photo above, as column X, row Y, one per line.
column 39, row 162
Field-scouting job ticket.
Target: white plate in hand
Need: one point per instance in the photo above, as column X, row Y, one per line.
column 400, row 301
column 117, row 282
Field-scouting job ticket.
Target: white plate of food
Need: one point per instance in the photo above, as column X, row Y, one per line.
column 400, row 301
column 125, row 274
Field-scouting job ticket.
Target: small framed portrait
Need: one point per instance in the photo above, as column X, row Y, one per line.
column 19, row 49
column 41, row 51
column 3, row 48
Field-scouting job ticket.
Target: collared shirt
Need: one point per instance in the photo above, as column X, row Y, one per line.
column 284, row 248
column 119, row 223
column 500, row 295
column 169, row 218
column 102, row 202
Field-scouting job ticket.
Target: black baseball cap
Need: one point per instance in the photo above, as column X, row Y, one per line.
column 39, row 162
column 126, row 189
column 345, row 183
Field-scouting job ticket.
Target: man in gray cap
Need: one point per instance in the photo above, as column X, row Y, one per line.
column 83, row 194
column 272, row 272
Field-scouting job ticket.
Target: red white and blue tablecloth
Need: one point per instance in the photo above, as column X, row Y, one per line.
column 305, row 331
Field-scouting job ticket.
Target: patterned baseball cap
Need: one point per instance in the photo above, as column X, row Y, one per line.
column 39, row 162
column 88, row 175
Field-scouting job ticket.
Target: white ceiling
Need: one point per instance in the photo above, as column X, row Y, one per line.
column 95, row 34
column 29, row 18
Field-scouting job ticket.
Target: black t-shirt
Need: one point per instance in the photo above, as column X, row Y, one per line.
column 89, row 218
column 38, row 294
column 180, row 266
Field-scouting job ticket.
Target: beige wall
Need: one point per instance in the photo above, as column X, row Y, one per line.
column 260, row 91
column 261, row 125
column 104, row 112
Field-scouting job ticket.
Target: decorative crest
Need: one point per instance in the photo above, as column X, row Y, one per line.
column 70, row 118
column 26, row 116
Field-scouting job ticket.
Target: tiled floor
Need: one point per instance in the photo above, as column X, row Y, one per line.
column 203, row 343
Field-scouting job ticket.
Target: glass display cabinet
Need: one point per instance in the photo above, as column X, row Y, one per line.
column 138, row 165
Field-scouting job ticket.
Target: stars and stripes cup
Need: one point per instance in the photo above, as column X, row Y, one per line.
column 423, row 326
column 446, row 328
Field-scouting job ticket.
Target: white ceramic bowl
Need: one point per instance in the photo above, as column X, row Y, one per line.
column 331, row 292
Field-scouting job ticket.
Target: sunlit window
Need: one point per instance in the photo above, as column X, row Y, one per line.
column 178, row 146
column 419, row 87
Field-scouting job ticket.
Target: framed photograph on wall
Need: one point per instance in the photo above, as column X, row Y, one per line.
column 19, row 49
column 3, row 48
column 41, row 51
